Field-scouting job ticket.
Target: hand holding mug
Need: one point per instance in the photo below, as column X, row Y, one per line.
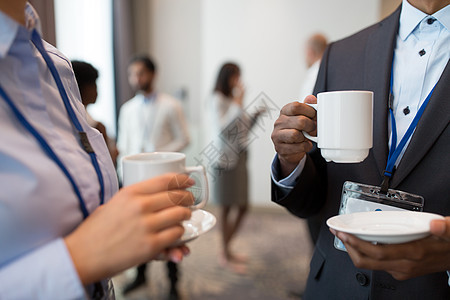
column 142, row 166
column 138, row 224
column 287, row 137
column 343, row 122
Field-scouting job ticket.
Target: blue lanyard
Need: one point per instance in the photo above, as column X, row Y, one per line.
column 394, row 151
column 36, row 39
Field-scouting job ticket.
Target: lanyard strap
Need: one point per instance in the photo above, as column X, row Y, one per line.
column 394, row 151
column 46, row 147
column 148, row 115
column 36, row 39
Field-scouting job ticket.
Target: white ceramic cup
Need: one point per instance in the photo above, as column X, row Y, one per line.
column 344, row 125
column 142, row 166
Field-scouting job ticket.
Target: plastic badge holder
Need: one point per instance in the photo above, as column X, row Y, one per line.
column 357, row 197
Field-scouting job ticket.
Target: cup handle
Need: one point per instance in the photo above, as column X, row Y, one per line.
column 203, row 184
column 308, row 136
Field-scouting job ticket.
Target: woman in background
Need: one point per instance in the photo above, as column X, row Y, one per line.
column 86, row 76
column 230, row 125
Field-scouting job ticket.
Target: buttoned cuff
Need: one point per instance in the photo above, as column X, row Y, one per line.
column 448, row 273
column 288, row 183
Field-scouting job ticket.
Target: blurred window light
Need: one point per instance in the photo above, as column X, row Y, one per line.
column 84, row 32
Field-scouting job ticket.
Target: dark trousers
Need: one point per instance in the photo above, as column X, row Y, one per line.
column 172, row 272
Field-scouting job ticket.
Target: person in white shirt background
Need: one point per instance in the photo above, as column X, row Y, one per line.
column 150, row 121
column 57, row 240
column 314, row 48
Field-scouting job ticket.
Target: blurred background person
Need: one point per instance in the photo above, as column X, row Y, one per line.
column 86, row 76
column 150, row 121
column 229, row 129
column 313, row 51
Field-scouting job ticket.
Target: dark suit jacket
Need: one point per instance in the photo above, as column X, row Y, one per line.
column 363, row 62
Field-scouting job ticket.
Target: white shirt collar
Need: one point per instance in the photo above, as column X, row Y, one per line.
column 410, row 17
column 9, row 28
column 443, row 16
column 148, row 98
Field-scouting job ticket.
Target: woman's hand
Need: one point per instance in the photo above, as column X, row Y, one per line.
column 238, row 93
column 137, row 225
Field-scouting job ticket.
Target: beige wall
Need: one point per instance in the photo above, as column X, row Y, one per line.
column 388, row 6
column 191, row 39
column 141, row 24
column 46, row 11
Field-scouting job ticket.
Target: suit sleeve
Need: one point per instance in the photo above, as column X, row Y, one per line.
column 309, row 193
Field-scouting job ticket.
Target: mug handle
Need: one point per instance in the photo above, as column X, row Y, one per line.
column 307, row 135
column 203, row 185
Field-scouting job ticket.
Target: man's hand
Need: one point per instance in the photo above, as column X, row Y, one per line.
column 403, row 261
column 287, row 137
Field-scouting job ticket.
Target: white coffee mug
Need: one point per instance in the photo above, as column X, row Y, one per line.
column 142, row 166
column 344, row 125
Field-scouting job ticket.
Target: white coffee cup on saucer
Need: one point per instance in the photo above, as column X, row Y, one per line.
column 344, row 125
column 142, row 166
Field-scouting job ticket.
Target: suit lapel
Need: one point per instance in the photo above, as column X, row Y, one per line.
column 377, row 72
column 433, row 121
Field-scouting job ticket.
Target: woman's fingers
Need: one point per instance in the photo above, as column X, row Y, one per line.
column 160, row 192
column 169, row 181
column 136, row 225
column 181, row 197
column 174, row 254
column 165, row 238
column 167, row 218
column 163, row 200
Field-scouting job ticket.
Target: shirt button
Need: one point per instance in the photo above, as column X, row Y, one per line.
column 422, row 52
column 431, row 21
column 362, row 279
column 406, row 110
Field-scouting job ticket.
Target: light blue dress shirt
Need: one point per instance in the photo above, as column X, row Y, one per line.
column 421, row 54
column 38, row 206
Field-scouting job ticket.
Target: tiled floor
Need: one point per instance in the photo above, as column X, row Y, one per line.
column 276, row 243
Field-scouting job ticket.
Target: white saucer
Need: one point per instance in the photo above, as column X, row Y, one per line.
column 387, row 227
column 201, row 222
